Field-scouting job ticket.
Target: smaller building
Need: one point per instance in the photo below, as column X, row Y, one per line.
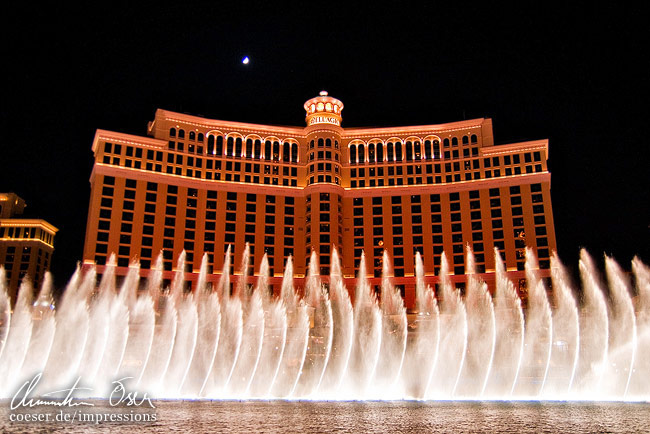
column 26, row 245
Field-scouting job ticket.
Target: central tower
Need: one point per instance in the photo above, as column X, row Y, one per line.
column 324, row 216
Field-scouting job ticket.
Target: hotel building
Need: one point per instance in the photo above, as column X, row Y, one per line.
column 200, row 185
column 26, row 245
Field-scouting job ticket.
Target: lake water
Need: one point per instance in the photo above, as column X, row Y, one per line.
column 338, row 417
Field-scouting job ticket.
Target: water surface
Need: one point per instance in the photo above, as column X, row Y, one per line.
column 368, row 417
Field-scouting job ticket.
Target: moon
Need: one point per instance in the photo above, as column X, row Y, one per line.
column 245, row 60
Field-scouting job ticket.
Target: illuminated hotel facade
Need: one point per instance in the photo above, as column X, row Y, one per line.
column 26, row 245
column 200, row 185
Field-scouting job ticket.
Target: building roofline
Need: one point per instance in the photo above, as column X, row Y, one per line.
column 430, row 128
column 518, row 146
column 113, row 136
column 209, row 123
column 199, row 121
column 29, row 222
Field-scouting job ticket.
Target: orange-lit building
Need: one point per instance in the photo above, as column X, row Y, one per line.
column 26, row 245
column 199, row 185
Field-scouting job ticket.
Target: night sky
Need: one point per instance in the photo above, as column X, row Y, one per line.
column 577, row 76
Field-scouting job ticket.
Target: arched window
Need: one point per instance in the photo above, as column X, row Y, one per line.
column 294, row 153
column 398, row 151
column 427, row 149
column 268, row 154
column 417, row 151
column 380, row 152
column 353, row 154
column 371, row 153
column 200, row 136
column 465, row 140
column 230, row 145
column 474, row 139
column 409, row 151
column 249, row 148
column 258, row 149
column 172, row 132
column 454, row 141
column 219, row 150
column 210, row 145
column 336, row 144
column 361, row 154
column 328, row 143
column 436, row 149
column 320, row 143
column 445, row 143
column 286, row 152
column 390, row 154
column 192, row 135
column 238, row 146
column 311, row 144
column 181, row 134
column 276, row 151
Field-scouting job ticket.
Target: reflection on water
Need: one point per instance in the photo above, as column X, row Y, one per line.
column 368, row 417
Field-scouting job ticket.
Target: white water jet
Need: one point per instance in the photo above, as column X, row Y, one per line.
column 118, row 332
column 393, row 339
column 43, row 327
column 453, row 338
column 18, row 340
column 342, row 331
column 472, row 349
column 320, row 333
column 297, row 339
column 230, row 332
column 186, row 330
column 538, row 337
column 424, row 341
column 566, row 334
column 72, row 322
column 252, row 332
column 207, row 338
column 275, row 336
column 622, row 333
column 481, row 334
column 99, row 325
column 142, row 322
column 594, row 331
column 5, row 310
column 640, row 379
column 164, row 334
column 367, row 338
column 509, row 335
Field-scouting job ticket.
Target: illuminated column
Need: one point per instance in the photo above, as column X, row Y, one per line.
column 323, row 133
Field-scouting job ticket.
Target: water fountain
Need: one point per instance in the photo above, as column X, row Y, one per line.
column 246, row 342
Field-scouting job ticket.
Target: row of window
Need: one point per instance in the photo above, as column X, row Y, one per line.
column 473, row 164
column 18, row 259
column 323, row 143
column 456, row 228
column 287, row 152
column 417, row 179
column 180, row 133
column 190, row 228
column 212, row 168
column 325, row 206
column 33, row 233
column 411, row 150
column 153, row 156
